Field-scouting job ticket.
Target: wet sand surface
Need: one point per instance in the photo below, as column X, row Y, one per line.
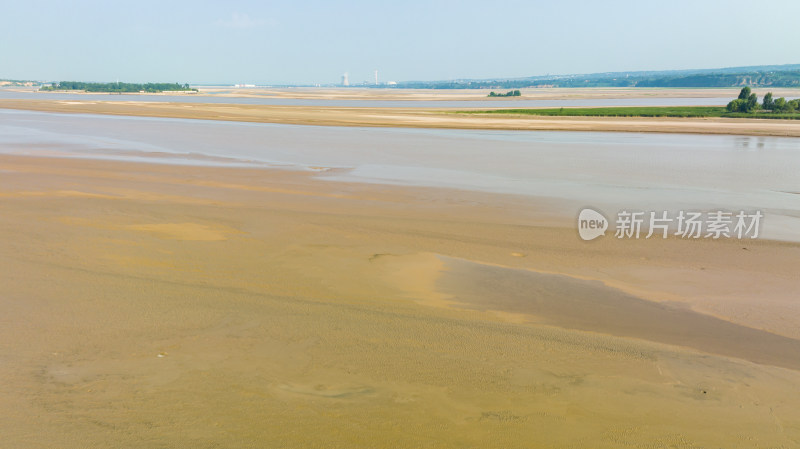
column 570, row 303
column 610, row 171
column 147, row 305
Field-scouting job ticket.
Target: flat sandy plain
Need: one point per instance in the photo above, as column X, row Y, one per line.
column 407, row 117
column 146, row 305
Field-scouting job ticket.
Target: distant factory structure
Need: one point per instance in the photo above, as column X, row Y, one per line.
column 373, row 82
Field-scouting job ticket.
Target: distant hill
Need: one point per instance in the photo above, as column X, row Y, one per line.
column 17, row 83
column 754, row 76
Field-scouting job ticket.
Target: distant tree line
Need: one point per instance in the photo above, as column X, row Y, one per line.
column 774, row 79
column 748, row 102
column 119, row 87
column 510, row 93
column 780, row 105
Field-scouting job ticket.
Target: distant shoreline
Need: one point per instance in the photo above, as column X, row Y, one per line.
column 411, row 117
column 117, row 88
column 541, row 93
column 642, row 111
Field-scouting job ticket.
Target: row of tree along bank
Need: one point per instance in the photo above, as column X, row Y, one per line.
column 748, row 102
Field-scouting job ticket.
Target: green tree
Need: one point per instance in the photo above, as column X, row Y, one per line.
column 748, row 105
column 745, row 93
column 752, row 103
column 781, row 105
column 768, row 103
column 736, row 105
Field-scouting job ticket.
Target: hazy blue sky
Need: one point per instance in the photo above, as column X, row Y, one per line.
column 317, row 41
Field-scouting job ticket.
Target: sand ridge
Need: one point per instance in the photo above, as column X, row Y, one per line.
column 411, row 118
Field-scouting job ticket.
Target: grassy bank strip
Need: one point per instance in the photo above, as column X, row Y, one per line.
column 650, row 111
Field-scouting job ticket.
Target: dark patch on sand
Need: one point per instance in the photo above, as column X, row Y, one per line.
column 592, row 306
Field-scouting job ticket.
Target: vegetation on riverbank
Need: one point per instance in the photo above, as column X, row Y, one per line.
column 119, row 87
column 649, row 111
column 510, row 93
column 748, row 102
column 745, row 106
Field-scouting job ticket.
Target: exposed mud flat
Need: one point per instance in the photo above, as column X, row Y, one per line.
column 142, row 306
column 571, row 303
